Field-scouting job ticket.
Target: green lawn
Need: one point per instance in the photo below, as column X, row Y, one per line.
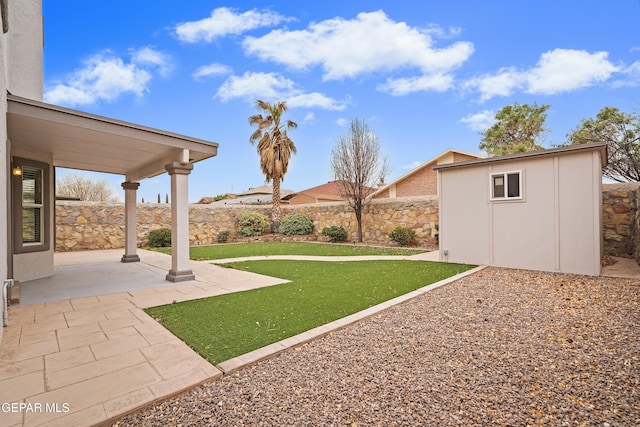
column 220, row 328
column 237, row 250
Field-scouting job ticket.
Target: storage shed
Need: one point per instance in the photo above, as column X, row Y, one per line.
column 538, row 211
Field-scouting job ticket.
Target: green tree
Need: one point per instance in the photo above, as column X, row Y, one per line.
column 621, row 132
column 275, row 149
column 518, row 129
column 358, row 167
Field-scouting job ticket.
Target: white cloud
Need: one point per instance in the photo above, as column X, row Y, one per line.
column 211, row 70
column 103, row 77
column 564, row 70
column 315, row 99
column 557, row 71
column 631, row 76
column 272, row 87
column 148, row 56
column 224, row 21
column 504, row 83
column 481, row 121
column 342, row 122
column 309, row 118
column 255, row 86
column 347, row 48
column 443, row 33
column 405, row 86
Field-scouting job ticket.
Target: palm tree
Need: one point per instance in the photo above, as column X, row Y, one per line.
column 274, row 147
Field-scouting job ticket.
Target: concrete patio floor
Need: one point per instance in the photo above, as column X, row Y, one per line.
column 80, row 350
column 84, row 359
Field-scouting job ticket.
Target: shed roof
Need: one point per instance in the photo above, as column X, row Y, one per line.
column 600, row 146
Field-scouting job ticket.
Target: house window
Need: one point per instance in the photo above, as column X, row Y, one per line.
column 507, row 185
column 30, row 206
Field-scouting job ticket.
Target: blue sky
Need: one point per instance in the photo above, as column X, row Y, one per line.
column 425, row 75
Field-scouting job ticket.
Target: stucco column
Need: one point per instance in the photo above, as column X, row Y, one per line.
column 180, row 270
column 130, row 222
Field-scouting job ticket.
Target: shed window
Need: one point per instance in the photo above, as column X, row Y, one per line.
column 507, row 185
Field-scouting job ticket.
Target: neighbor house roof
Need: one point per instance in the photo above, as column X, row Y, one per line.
column 253, row 196
column 600, row 146
column 442, row 157
column 325, row 192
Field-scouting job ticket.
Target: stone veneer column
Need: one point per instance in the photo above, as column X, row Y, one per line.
column 130, row 222
column 180, row 269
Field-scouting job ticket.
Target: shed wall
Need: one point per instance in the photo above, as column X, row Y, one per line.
column 554, row 227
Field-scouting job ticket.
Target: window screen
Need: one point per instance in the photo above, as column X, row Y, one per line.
column 32, row 205
column 506, row 185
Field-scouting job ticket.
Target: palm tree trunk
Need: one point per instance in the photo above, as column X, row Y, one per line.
column 276, row 209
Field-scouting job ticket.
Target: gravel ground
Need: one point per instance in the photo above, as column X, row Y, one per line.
column 500, row 347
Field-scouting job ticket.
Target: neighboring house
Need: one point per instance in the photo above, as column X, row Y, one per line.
column 329, row 192
column 539, row 211
column 262, row 195
column 423, row 180
column 38, row 137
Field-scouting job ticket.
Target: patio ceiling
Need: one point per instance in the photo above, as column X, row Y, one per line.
column 85, row 141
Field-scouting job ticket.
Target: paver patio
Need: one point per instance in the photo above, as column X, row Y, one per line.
column 85, row 360
column 81, row 361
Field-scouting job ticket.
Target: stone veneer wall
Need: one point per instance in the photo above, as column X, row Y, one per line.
column 96, row 225
column 620, row 220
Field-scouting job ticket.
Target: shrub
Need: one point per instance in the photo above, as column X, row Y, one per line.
column 252, row 224
column 223, row 236
column 403, row 236
column 160, row 238
column 335, row 233
column 296, row 224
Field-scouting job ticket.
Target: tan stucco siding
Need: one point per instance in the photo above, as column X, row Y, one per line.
column 5, row 155
column 24, row 49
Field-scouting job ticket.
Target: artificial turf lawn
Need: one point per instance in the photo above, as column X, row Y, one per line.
column 238, row 250
column 222, row 327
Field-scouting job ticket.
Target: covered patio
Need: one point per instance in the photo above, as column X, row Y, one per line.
column 78, row 140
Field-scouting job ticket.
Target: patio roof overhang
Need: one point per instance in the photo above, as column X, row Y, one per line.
column 84, row 141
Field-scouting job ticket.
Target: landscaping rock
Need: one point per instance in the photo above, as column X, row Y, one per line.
column 500, row 347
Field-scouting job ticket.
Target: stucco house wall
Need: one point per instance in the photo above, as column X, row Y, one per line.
column 554, row 226
column 23, row 76
column 4, row 175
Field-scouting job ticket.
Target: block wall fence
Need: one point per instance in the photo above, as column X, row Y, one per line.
column 97, row 225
